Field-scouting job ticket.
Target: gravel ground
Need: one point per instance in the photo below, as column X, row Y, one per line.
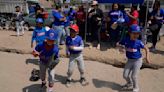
column 16, row 70
column 108, row 55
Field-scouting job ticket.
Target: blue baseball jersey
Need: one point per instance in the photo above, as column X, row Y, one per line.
column 77, row 41
column 46, row 55
column 39, row 35
column 57, row 16
column 114, row 15
column 159, row 14
column 126, row 17
column 72, row 15
column 67, row 22
column 133, row 48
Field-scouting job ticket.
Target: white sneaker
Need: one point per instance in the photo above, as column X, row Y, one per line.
column 98, row 46
column 90, row 47
column 135, row 89
column 18, row 35
column 83, row 81
column 50, row 89
column 22, row 33
column 68, row 82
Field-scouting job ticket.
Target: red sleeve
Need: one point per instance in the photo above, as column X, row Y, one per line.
column 135, row 14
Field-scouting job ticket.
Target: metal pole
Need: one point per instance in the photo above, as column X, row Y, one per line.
column 86, row 22
column 144, row 38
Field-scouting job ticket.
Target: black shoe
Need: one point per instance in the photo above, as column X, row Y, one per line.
column 83, row 82
column 68, row 83
column 43, row 85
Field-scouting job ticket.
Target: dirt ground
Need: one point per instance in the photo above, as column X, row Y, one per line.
column 108, row 55
column 16, row 69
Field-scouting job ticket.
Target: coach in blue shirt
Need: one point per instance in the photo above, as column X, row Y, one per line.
column 59, row 21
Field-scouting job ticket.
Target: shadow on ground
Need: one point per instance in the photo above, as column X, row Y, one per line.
column 32, row 61
column 158, row 52
column 60, row 78
column 15, row 35
column 114, row 86
column 34, row 88
column 101, row 83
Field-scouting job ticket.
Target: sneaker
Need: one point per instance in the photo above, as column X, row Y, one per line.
column 43, row 84
column 153, row 49
column 68, row 83
column 98, row 46
column 90, row 47
column 23, row 33
column 50, row 89
column 127, row 86
column 83, row 82
column 135, row 89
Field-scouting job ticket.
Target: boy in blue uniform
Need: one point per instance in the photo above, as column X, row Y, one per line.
column 133, row 48
column 39, row 33
column 49, row 58
column 74, row 44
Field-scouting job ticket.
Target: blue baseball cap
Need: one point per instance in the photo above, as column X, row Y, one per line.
column 52, row 34
column 135, row 28
column 39, row 20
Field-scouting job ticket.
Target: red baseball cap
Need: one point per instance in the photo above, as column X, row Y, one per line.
column 75, row 28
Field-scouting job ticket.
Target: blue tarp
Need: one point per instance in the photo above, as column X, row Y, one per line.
column 121, row 1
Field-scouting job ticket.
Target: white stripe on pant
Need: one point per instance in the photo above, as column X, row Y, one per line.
column 51, row 71
column 131, row 71
column 80, row 62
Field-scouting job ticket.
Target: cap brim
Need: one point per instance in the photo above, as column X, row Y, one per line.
column 136, row 31
column 40, row 22
column 48, row 38
column 73, row 30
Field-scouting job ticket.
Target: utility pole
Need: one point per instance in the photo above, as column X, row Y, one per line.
column 144, row 34
column 86, row 22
